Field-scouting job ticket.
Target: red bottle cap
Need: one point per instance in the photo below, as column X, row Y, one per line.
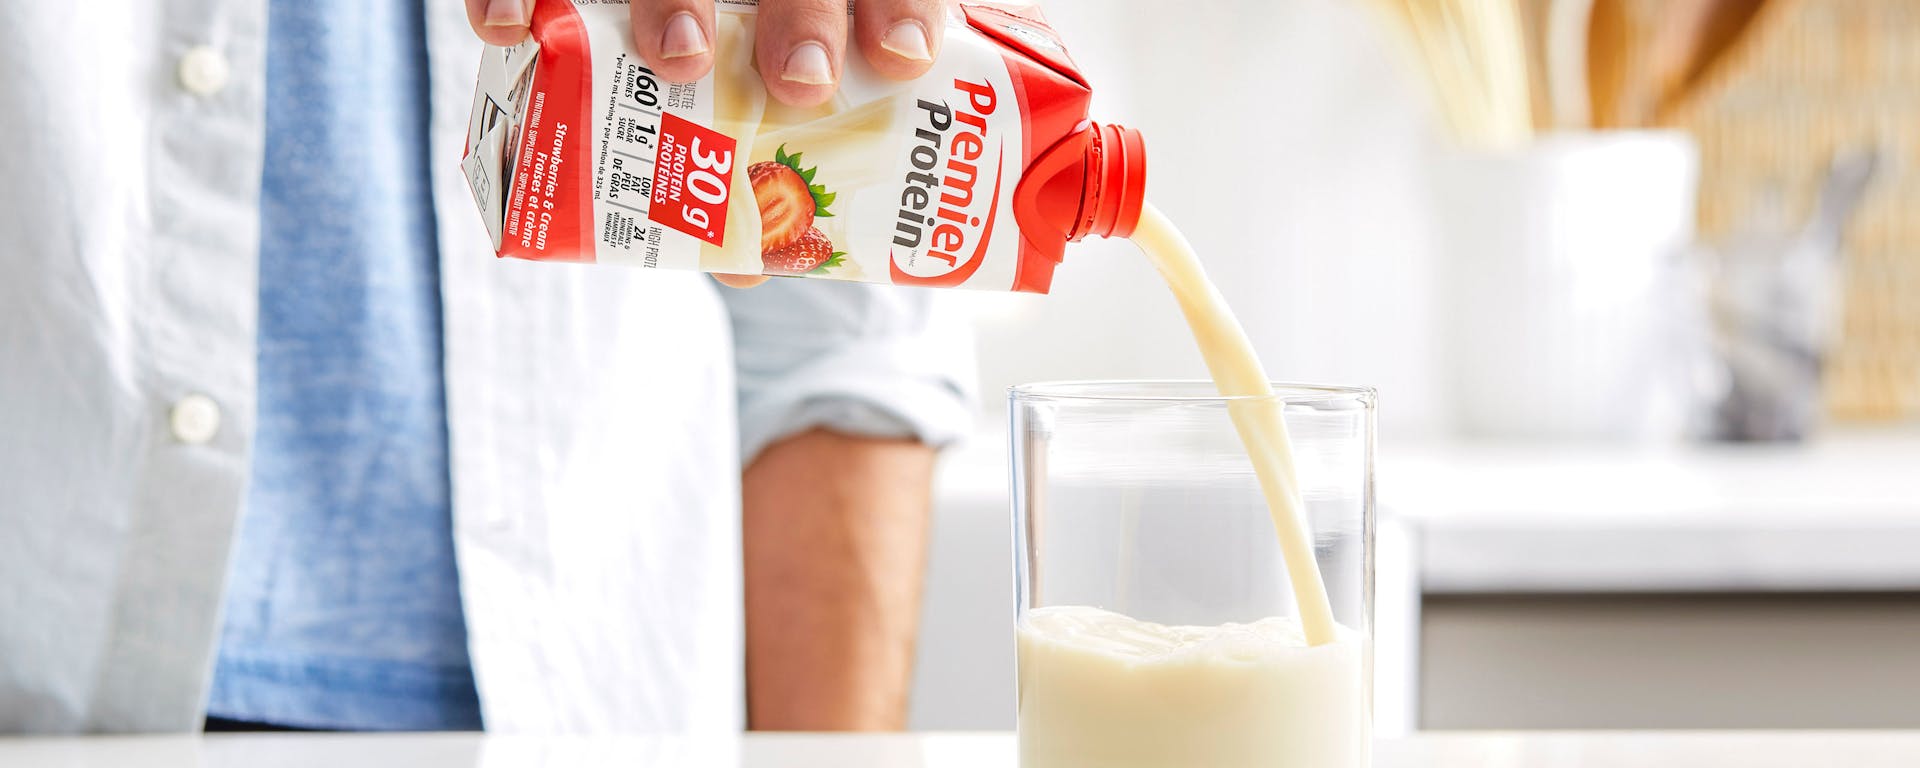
column 1090, row 182
column 1116, row 168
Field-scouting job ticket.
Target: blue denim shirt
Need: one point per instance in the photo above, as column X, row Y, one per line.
column 343, row 605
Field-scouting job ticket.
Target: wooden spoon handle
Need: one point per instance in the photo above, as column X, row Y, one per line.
column 1608, row 36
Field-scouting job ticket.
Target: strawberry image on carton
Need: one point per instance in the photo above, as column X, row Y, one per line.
column 789, row 202
column 974, row 175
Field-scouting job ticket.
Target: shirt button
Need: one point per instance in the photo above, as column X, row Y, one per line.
column 194, row 419
column 203, row 71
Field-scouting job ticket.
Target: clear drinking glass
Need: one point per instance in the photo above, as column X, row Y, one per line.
column 1157, row 626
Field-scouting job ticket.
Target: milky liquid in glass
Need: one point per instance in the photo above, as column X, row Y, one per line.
column 1099, row 689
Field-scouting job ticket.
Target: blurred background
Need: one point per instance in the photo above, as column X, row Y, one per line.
column 1639, row 284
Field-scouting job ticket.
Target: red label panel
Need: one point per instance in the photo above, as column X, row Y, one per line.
column 690, row 179
column 549, row 207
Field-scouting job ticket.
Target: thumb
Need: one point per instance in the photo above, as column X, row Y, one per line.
column 500, row 22
column 675, row 37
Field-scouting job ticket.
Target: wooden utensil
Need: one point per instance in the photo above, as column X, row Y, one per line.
column 1714, row 30
column 1609, row 35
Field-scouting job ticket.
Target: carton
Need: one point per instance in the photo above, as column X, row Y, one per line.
column 975, row 175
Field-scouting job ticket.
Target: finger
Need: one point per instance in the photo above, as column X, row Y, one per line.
column 675, row 37
column 801, row 46
column 900, row 38
column 740, row 281
column 499, row 22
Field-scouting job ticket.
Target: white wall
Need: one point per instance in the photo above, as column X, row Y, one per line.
column 1289, row 142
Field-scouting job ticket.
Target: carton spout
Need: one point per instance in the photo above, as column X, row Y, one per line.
column 1091, row 182
column 1117, row 176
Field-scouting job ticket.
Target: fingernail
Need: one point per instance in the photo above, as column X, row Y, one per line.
column 683, row 37
column 808, row 65
column 507, row 13
column 908, row 40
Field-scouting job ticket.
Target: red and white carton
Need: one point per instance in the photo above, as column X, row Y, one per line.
column 975, row 175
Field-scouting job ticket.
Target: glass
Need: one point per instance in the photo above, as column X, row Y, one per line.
column 1157, row 627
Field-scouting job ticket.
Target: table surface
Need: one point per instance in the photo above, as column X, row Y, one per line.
column 1840, row 513
column 1637, row 749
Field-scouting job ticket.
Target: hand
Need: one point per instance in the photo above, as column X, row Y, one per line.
column 808, row 37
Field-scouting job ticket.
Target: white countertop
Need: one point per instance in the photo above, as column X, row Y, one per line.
column 1759, row 749
column 1840, row 513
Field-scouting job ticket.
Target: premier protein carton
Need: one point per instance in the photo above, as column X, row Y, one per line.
column 976, row 175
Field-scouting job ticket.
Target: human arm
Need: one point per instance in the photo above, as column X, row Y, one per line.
column 845, row 389
column 835, row 535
